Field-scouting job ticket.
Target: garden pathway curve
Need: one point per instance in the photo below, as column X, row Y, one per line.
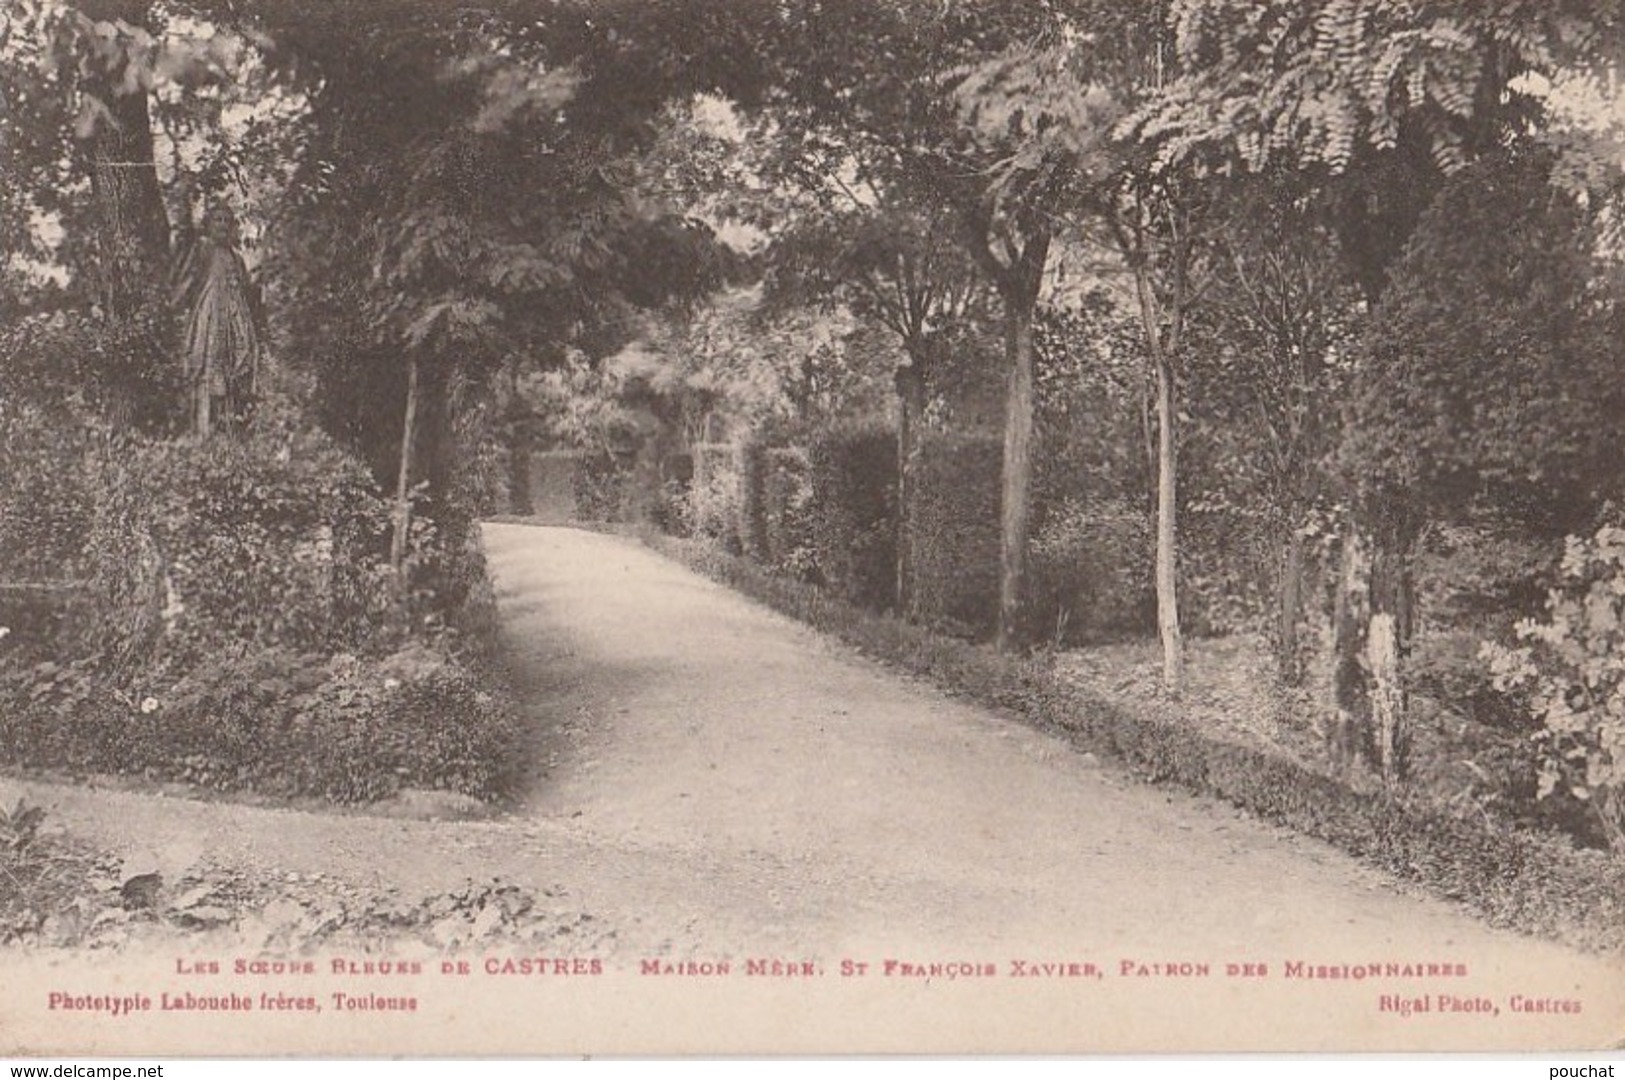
column 716, row 782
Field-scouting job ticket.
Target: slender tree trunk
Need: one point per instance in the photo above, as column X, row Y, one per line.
column 910, row 408
column 1167, row 554
column 1373, row 627
column 1289, row 610
column 1015, row 505
column 1148, row 438
column 1302, row 491
column 699, row 454
column 403, row 483
column 1173, row 642
column 1388, row 640
column 1351, row 618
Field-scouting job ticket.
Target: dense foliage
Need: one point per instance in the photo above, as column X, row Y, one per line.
column 955, row 503
column 852, row 511
column 1058, row 323
column 267, row 542
column 1570, row 670
column 272, row 720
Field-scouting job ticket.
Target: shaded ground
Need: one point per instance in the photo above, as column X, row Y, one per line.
column 714, row 782
column 1456, row 762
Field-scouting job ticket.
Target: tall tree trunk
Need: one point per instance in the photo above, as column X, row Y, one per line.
column 403, row 481
column 1302, row 492
column 133, row 238
column 1372, row 634
column 435, row 454
column 1173, row 642
column 1351, row 619
column 1019, row 276
column 1167, row 554
column 1289, row 610
column 1015, row 505
column 910, row 408
column 1389, row 638
column 132, row 228
column 521, row 481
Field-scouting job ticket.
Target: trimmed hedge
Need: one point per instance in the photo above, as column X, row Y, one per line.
column 599, row 485
column 954, row 523
column 1089, row 569
column 1535, row 883
column 853, row 472
column 753, row 467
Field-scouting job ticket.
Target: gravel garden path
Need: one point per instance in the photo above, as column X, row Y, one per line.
column 715, row 783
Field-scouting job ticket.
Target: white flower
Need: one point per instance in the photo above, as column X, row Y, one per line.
column 391, row 684
column 5, row 632
column 149, row 705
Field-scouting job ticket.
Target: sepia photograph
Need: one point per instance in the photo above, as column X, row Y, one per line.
column 695, row 528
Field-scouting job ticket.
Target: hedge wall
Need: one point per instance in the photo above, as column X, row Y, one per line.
column 954, row 528
column 1535, row 883
column 599, row 485
column 853, row 476
column 714, row 493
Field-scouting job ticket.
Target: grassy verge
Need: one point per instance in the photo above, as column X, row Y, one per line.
column 1530, row 882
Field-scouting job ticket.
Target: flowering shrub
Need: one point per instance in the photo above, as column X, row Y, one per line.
column 1570, row 669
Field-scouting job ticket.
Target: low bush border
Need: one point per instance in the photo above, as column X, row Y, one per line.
column 1533, row 883
column 277, row 723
